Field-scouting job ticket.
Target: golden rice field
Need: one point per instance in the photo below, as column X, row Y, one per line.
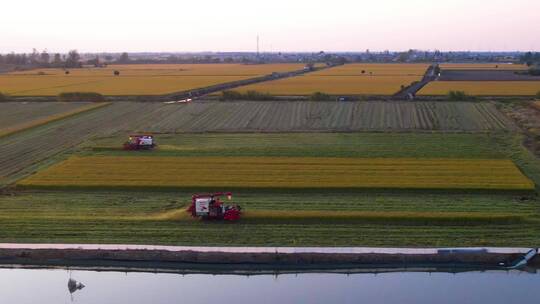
column 378, row 79
column 482, row 66
column 133, row 79
column 173, row 70
column 334, row 85
column 375, row 69
column 281, row 173
column 483, row 88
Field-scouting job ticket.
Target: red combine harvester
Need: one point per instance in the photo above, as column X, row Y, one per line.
column 210, row 207
column 140, row 142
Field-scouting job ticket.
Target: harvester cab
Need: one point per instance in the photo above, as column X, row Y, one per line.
column 140, row 142
column 210, row 207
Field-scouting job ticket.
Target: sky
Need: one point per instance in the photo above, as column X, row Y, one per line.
column 282, row 25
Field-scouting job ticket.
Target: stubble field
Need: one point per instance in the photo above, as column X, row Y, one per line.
column 483, row 88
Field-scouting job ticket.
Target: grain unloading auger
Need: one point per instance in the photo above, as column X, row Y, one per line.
column 210, row 207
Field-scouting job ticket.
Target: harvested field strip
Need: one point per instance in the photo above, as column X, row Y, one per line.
column 387, row 218
column 483, row 88
column 323, row 116
column 281, row 172
column 13, row 113
column 309, row 217
column 19, row 152
column 38, row 122
column 208, row 234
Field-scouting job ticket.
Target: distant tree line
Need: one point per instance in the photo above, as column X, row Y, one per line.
column 43, row 59
column 532, row 60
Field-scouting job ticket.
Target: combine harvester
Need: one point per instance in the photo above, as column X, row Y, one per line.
column 140, row 142
column 210, row 207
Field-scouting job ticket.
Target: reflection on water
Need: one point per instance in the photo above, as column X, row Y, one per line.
column 49, row 286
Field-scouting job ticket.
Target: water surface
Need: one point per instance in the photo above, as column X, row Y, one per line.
column 48, row 286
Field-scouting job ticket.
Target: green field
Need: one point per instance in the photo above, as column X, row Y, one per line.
column 123, row 217
column 387, row 218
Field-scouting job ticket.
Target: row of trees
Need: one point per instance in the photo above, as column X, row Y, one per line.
column 530, row 58
column 44, row 59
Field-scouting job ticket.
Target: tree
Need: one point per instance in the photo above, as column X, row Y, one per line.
column 124, row 58
column 44, row 57
column 95, row 62
column 530, row 58
column 73, row 59
column 34, row 57
column 57, row 60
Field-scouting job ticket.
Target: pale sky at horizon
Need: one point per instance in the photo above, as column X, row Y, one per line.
column 301, row 25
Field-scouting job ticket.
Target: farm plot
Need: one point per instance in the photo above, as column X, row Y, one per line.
column 14, row 115
column 334, row 85
column 19, row 127
column 483, row 66
column 483, row 88
column 282, row 173
column 170, row 70
column 378, row 145
column 145, row 218
column 23, row 150
column 350, row 79
column 133, row 79
column 485, row 75
column 374, row 69
column 323, row 116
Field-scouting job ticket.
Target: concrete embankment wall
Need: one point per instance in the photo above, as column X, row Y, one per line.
column 42, row 254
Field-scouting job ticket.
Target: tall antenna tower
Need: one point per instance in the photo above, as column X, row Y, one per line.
column 257, row 46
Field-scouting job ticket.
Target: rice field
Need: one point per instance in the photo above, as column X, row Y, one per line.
column 321, row 116
column 482, row 66
column 281, row 173
column 17, row 117
column 117, row 217
column 133, row 79
column 221, row 69
column 375, row 69
column 109, row 196
column 349, row 79
column 483, row 88
column 333, row 85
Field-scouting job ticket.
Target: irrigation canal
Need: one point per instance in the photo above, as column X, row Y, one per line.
column 50, row 285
